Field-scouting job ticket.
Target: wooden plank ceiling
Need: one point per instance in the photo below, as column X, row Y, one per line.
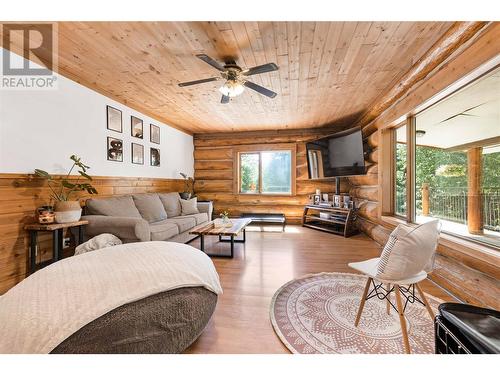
column 330, row 72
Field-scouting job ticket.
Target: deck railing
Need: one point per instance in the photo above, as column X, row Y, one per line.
column 451, row 204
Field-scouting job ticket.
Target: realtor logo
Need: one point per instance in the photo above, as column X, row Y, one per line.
column 28, row 56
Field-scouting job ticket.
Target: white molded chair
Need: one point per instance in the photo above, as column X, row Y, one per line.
column 405, row 261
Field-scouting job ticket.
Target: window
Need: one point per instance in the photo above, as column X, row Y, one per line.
column 400, row 171
column 266, row 172
column 456, row 167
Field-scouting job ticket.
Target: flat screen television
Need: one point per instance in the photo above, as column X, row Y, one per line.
column 338, row 155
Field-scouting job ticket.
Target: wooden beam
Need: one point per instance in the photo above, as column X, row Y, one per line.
column 474, row 203
column 454, row 38
column 425, row 199
column 410, row 169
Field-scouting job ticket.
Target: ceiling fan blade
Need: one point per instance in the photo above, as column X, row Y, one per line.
column 270, row 67
column 260, row 89
column 463, row 113
column 190, row 83
column 224, row 99
column 210, row 61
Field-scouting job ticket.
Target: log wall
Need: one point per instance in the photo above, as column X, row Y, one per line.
column 214, row 173
column 20, row 195
column 469, row 274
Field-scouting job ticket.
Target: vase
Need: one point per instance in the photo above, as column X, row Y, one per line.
column 67, row 211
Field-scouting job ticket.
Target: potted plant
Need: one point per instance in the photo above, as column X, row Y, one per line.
column 188, row 187
column 62, row 189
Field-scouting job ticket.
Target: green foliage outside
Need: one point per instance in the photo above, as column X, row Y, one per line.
column 276, row 172
column 445, row 172
column 249, row 170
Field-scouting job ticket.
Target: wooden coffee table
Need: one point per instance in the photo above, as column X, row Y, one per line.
column 209, row 229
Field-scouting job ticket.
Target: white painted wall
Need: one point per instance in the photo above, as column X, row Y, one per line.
column 42, row 129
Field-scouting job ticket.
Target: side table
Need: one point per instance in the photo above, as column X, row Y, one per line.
column 57, row 239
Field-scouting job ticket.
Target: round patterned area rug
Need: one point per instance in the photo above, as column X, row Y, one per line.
column 316, row 314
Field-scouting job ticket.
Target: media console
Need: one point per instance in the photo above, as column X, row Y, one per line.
column 334, row 219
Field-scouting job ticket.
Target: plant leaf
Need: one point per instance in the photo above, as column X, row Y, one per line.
column 67, row 184
column 85, row 175
column 42, row 173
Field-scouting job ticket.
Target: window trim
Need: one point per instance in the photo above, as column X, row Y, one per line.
column 248, row 149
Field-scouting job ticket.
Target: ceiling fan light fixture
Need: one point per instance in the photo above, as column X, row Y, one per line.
column 232, row 88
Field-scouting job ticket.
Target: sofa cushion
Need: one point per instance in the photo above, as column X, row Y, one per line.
column 200, row 218
column 115, row 206
column 150, row 207
column 183, row 223
column 171, row 203
column 163, row 230
column 189, row 206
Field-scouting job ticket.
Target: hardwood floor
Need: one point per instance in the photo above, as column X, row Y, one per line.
column 265, row 262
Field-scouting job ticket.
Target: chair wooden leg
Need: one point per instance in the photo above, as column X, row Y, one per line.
column 362, row 303
column 402, row 320
column 427, row 304
column 388, row 300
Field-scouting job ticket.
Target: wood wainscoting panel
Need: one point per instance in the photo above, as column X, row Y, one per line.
column 21, row 194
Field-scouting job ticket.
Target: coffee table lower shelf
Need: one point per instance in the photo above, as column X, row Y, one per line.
column 209, row 229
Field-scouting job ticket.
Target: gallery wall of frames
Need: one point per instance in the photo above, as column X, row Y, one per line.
column 144, row 138
column 41, row 129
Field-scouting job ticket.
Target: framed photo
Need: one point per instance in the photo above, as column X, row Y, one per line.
column 316, row 199
column 155, row 157
column 154, row 133
column 136, row 128
column 115, row 149
column 137, row 153
column 114, row 119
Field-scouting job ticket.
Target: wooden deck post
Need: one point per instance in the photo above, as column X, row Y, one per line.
column 425, row 199
column 474, row 188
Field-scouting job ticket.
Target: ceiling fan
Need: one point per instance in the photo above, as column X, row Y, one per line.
column 235, row 78
column 464, row 113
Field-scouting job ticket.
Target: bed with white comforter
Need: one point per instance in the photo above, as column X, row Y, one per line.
column 147, row 297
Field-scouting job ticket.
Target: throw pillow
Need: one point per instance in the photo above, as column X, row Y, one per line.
column 150, row 207
column 408, row 251
column 172, row 204
column 189, row 206
column 98, row 242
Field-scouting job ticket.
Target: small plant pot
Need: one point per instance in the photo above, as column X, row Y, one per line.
column 185, row 196
column 68, row 211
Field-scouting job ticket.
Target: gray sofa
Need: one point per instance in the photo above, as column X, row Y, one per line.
column 144, row 217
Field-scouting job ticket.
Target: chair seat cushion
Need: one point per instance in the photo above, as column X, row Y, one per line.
column 369, row 267
column 163, row 230
column 200, row 218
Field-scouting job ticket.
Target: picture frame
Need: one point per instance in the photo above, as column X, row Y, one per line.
column 154, row 134
column 114, row 119
column 114, row 149
column 316, row 199
column 137, row 153
column 136, row 127
column 154, row 157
